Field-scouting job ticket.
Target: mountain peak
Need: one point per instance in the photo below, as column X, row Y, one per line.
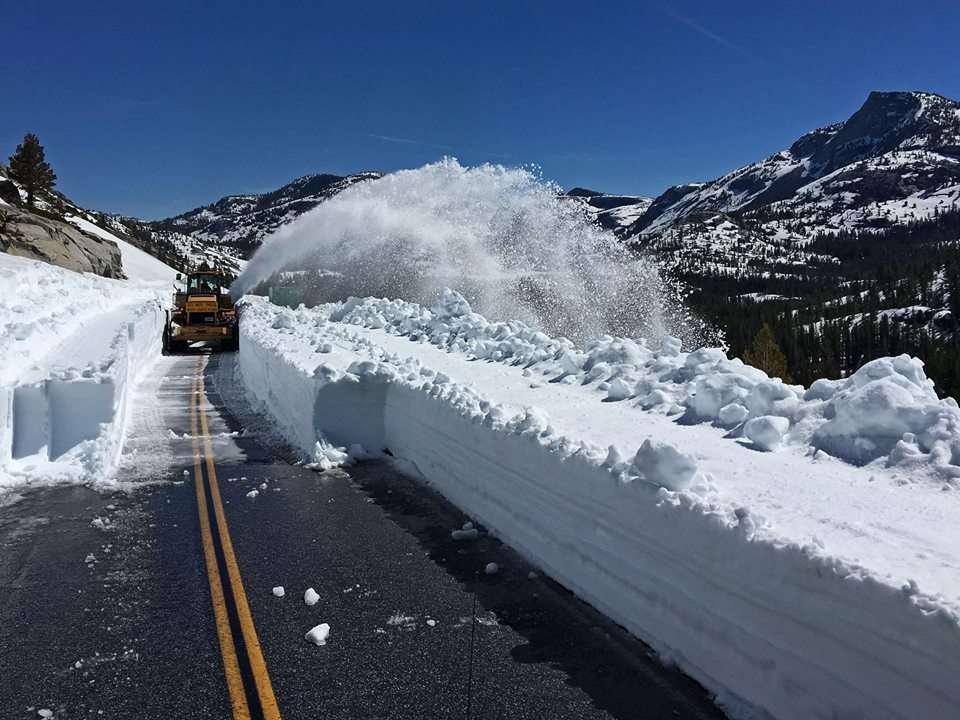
column 893, row 120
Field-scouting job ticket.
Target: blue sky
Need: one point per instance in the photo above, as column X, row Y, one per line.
column 157, row 109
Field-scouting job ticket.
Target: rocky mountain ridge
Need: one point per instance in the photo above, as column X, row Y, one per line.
column 43, row 233
column 239, row 223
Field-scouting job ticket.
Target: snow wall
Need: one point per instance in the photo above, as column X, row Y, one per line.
column 765, row 626
column 60, row 422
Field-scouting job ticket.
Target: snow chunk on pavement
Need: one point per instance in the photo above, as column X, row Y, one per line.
column 279, row 592
column 664, row 465
column 467, row 532
column 310, row 597
column 252, row 494
column 318, row 634
column 767, row 431
column 491, row 568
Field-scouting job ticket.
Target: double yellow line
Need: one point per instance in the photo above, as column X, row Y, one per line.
column 231, row 664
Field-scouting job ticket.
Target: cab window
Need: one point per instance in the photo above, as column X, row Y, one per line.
column 203, row 285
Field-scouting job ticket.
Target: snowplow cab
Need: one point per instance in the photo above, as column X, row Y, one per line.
column 202, row 311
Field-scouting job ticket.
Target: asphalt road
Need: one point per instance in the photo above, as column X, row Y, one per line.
column 107, row 609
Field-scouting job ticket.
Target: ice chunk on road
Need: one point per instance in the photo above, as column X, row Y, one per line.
column 252, row 494
column 45, row 713
column 467, row 532
column 491, row 568
column 318, row 634
column 767, row 431
column 310, row 597
column 278, row 591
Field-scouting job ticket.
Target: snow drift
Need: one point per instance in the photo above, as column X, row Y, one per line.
column 689, row 497
column 501, row 236
column 72, row 345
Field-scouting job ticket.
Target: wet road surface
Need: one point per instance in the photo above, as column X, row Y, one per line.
column 106, row 607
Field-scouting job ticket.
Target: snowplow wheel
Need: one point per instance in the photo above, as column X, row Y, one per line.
column 166, row 341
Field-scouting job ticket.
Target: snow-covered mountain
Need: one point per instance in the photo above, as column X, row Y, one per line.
column 893, row 162
column 614, row 212
column 237, row 224
column 847, row 243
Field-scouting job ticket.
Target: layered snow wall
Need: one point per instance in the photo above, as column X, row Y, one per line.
column 73, row 345
column 662, row 492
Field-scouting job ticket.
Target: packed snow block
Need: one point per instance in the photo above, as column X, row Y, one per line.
column 30, row 420
column 6, row 425
column 284, row 390
column 53, row 416
column 77, row 410
column 871, row 410
column 664, row 465
column 352, row 412
column 767, row 432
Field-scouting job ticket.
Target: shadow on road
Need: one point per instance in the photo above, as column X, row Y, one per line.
column 621, row 674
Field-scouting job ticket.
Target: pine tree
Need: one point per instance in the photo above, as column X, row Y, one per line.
column 29, row 167
column 765, row 353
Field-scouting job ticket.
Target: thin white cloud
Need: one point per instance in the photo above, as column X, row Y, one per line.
column 451, row 148
column 706, row 32
column 404, row 141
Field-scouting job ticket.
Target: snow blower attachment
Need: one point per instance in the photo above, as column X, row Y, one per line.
column 205, row 312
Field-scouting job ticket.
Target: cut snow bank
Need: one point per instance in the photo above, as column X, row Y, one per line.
column 72, row 346
column 682, row 494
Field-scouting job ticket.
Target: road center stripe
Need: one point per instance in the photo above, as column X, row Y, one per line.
column 258, row 665
column 231, row 667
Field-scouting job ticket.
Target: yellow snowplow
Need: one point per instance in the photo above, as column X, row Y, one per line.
column 202, row 312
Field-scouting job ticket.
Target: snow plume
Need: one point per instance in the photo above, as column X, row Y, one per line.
column 500, row 236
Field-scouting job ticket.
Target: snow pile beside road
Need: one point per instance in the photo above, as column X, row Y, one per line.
column 778, row 576
column 72, row 345
column 887, row 402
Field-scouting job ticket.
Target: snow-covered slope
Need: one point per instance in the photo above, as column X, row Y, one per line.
column 137, row 264
column 689, row 497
